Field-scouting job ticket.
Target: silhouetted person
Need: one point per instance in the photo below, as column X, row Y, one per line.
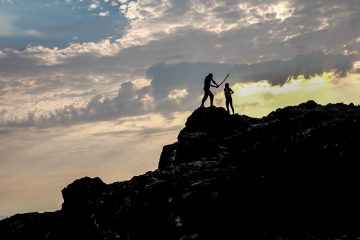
column 207, row 92
column 228, row 91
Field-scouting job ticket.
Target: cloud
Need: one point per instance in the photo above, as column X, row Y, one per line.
column 190, row 75
column 104, row 14
column 129, row 101
column 182, row 41
column 177, row 87
column 53, row 56
column 178, row 94
column 94, row 5
column 220, row 31
column 155, row 20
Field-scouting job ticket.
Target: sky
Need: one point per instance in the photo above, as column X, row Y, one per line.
column 98, row 87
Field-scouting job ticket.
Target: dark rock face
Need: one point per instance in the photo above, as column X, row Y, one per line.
column 294, row 174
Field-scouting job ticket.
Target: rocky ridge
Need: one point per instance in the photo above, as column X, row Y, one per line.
column 293, row 174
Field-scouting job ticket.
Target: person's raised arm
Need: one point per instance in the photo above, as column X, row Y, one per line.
column 217, row 85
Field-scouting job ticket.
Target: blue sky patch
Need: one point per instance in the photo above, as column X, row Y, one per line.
column 56, row 23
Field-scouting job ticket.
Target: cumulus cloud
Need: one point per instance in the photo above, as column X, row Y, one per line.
column 129, row 101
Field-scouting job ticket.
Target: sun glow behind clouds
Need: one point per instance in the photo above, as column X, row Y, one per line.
column 264, row 12
column 257, row 99
column 282, row 10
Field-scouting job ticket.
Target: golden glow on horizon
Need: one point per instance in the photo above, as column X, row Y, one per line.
column 258, row 99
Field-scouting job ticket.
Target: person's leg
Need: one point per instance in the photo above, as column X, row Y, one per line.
column 227, row 104
column 231, row 104
column 211, row 98
column 204, row 98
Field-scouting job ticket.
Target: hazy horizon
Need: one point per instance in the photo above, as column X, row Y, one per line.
column 97, row 87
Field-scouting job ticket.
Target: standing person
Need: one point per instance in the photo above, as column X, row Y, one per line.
column 207, row 92
column 228, row 91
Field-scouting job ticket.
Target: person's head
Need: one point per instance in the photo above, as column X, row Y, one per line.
column 210, row 75
column 226, row 85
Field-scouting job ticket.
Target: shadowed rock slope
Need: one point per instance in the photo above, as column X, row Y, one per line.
column 294, row 174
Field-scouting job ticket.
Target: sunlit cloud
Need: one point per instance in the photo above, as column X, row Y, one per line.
column 94, row 5
column 265, row 12
column 52, row 56
column 141, row 82
column 178, row 94
column 147, row 22
column 104, row 14
column 283, row 10
column 151, row 21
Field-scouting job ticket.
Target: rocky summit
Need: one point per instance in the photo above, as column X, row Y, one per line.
column 294, row 174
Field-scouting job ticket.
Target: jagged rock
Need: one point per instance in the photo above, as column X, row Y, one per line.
column 292, row 175
column 33, row 226
column 168, row 155
column 80, row 194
